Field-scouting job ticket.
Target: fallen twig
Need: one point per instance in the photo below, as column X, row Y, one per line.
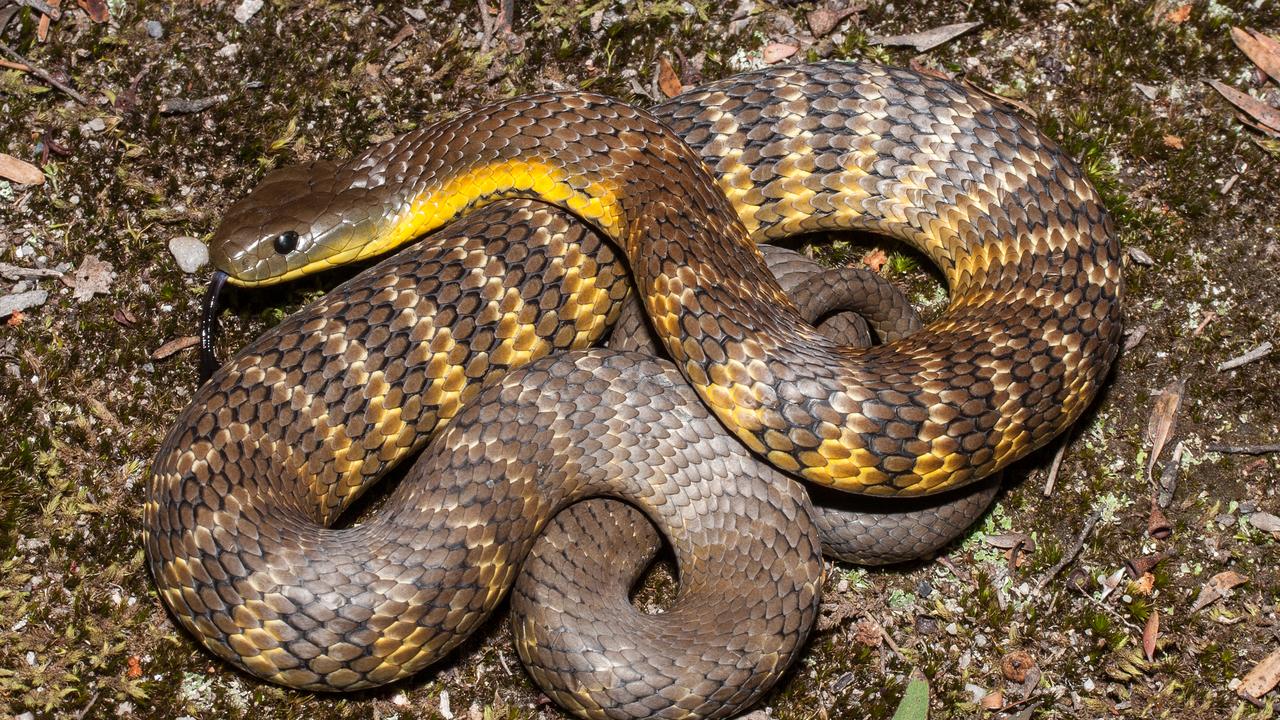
column 44, row 75
column 1073, row 552
column 1053, row 468
column 1257, row 353
column 888, row 639
column 1244, row 449
column 961, row 575
column 183, row 106
column 16, row 272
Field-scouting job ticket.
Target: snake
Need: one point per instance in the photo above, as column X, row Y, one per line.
column 480, row 342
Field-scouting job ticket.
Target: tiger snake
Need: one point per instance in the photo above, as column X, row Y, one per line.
column 483, row 329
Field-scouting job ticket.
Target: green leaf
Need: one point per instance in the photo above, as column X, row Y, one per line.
column 915, row 702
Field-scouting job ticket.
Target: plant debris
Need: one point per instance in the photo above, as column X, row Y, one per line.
column 182, row 106
column 17, row 302
column 1266, row 117
column 825, row 19
column 1163, row 419
column 1257, row 353
column 928, row 39
column 92, row 277
column 1263, row 50
column 20, row 171
column 1150, row 634
column 1261, row 679
column 1218, row 587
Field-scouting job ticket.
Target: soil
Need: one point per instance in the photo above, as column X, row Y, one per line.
column 1122, row 86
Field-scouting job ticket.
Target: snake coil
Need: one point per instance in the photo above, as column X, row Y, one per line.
column 463, row 332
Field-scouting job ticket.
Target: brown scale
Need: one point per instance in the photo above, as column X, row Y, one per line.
column 1030, row 257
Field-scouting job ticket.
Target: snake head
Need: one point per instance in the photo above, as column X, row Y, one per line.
column 289, row 227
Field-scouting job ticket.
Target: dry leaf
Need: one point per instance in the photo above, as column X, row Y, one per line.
column 1267, row 116
column 1217, row 588
column 927, row 40
column 1145, row 584
column 1009, row 541
column 92, row 277
column 823, row 20
column 992, row 700
column 777, row 52
column 1136, row 253
column 1133, row 336
column 875, row 259
column 405, row 33
column 1164, row 417
column 1266, row 522
column 1150, row 633
column 1179, row 15
column 1263, row 50
column 1173, row 141
column 20, row 171
column 124, row 317
column 174, row 346
column 1261, row 679
column 1011, row 102
column 668, row 81
column 95, row 9
column 916, row 64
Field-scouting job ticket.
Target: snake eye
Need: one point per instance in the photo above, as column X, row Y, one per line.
column 286, row 242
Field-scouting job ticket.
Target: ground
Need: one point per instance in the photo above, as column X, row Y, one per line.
column 83, row 403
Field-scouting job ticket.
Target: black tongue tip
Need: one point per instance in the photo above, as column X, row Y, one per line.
column 209, row 326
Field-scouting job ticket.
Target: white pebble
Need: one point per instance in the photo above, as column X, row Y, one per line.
column 190, row 253
column 247, row 9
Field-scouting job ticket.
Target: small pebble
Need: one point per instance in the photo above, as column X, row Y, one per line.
column 94, row 126
column 976, row 692
column 246, row 10
column 154, row 29
column 190, row 253
column 1225, row 520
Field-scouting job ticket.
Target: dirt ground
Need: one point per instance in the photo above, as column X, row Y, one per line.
column 84, row 402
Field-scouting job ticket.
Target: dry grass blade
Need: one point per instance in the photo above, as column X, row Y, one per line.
column 1267, row 117
column 1263, row 50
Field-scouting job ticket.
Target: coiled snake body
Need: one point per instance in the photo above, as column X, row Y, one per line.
column 291, row 431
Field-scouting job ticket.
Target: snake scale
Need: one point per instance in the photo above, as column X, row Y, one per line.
column 486, row 325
